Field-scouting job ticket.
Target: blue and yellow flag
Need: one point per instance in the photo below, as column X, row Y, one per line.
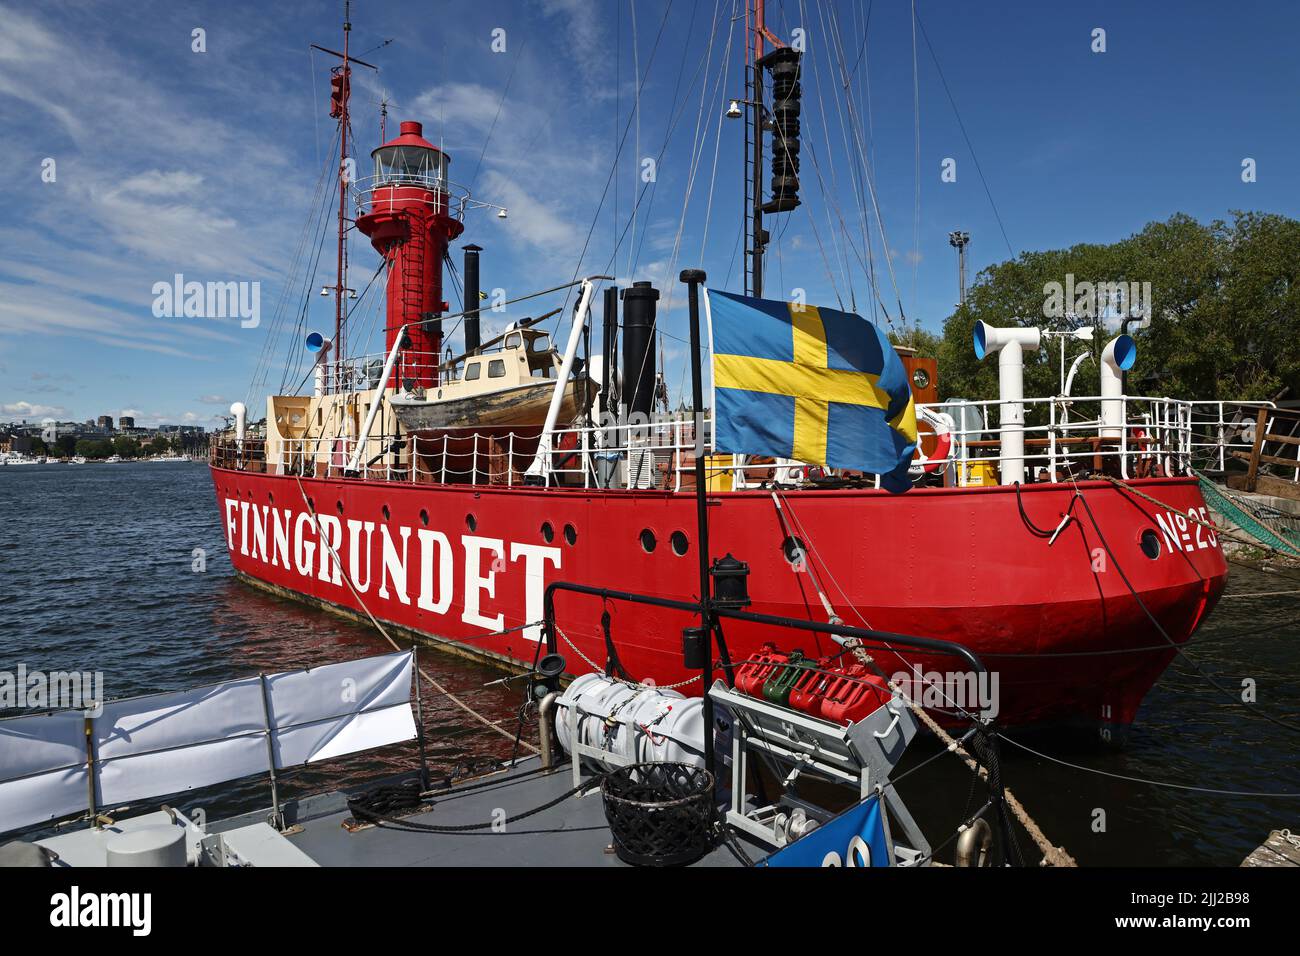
column 816, row 385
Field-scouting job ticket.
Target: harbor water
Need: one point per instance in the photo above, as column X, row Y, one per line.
column 122, row 569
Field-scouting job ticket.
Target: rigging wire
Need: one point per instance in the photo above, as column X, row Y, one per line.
column 681, row 69
column 916, row 124
column 500, row 103
column 274, row 330
column 1144, row 780
column 863, row 155
column 856, row 179
column 962, row 126
column 610, row 179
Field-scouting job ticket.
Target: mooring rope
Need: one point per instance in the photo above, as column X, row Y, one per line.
column 1215, row 529
column 1053, row 855
column 1153, row 783
column 1251, row 708
column 487, row 722
column 597, row 669
column 1247, row 518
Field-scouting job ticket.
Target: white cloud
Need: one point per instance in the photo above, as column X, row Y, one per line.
column 586, row 34
column 459, row 107
column 29, row 410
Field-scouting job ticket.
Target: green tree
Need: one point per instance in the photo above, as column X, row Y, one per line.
column 1225, row 310
column 95, row 448
column 126, row 447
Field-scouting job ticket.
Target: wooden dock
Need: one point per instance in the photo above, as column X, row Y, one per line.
column 1282, row 848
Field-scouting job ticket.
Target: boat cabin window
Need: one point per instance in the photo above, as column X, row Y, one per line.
column 541, row 343
column 472, row 371
column 513, row 340
column 496, row 368
column 410, row 164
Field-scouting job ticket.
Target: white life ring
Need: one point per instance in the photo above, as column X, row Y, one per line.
column 943, row 424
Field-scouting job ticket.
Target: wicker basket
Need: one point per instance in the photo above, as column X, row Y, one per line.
column 661, row 814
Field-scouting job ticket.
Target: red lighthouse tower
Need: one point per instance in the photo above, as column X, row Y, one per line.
column 409, row 224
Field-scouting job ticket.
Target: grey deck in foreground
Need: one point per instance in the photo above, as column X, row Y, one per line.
column 572, row 833
column 1282, row 848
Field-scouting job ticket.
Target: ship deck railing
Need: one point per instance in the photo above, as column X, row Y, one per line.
column 363, row 372
column 1064, row 440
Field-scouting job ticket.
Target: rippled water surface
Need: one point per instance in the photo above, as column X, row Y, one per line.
column 96, row 574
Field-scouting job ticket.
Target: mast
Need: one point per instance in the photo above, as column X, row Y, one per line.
column 340, row 94
column 784, row 63
column 341, row 274
column 755, row 238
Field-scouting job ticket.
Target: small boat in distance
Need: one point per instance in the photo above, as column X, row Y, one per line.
column 18, row 458
column 77, row 460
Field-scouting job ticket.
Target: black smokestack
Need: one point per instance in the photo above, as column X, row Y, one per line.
column 638, row 336
column 472, row 336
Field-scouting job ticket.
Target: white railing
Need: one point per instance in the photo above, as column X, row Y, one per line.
column 359, row 373
column 1219, row 426
column 376, row 194
column 1162, row 436
column 1156, row 439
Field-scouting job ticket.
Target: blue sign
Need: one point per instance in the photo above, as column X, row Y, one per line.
column 854, row 838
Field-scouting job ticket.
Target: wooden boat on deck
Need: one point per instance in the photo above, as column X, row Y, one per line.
column 510, row 388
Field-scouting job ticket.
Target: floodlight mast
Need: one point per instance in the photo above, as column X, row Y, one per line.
column 960, row 240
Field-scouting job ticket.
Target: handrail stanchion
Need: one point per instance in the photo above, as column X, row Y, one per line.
column 693, row 279
column 277, row 817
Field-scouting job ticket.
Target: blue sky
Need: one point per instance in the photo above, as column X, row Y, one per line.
column 170, row 161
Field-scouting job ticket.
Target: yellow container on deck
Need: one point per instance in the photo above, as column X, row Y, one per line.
column 717, row 472
column 980, row 473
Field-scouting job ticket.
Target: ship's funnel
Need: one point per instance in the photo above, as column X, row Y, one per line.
column 1117, row 357
column 472, row 335
column 1010, row 344
column 639, row 308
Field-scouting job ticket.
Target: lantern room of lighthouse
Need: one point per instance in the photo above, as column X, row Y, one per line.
column 410, row 224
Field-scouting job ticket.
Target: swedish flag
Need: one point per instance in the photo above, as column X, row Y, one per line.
column 816, row 385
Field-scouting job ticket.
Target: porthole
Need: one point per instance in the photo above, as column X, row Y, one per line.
column 648, row 541
column 1150, row 544
column 794, row 549
column 570, row 534
column 387, row 515
column 471, row 522
column 424, row 517
column 548, row 533
column 681, row 544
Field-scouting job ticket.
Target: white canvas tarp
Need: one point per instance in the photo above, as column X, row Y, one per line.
column 167, row 743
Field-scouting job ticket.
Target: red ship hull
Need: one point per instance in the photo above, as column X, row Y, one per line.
column 1055, row 621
